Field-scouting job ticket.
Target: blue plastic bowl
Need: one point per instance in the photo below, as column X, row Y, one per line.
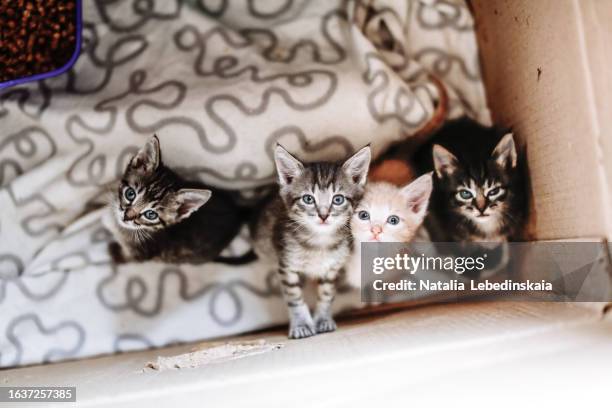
column 62, row 69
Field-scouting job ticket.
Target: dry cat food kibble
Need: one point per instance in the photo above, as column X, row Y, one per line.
column 36, row 36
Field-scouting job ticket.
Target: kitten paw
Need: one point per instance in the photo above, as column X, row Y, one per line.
column 325, row 324
column 301, row 331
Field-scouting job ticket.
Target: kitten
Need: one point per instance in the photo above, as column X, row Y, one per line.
column 479, row 192
column 305, row 231
column 387, row 214
column 155, row 214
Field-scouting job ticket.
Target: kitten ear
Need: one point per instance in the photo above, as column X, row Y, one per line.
column 287, row 166
column 444, row 161
column 357, row 166
column 417, row 194
column 148, row 157
column 190, row 200
column 504, row 153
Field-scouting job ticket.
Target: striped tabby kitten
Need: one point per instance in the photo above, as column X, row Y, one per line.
column 479, row 192
column 155, row 214
column 305, row 231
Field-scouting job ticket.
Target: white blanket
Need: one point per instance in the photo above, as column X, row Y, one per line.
column 219, row 83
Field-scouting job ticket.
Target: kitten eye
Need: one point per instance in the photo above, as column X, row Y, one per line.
column 465, row 194
column 338, row 199
column 129, row 194
column 493, row 192
column 150, row 215
column 363, row 215
column 393, row 220
column 308, row 199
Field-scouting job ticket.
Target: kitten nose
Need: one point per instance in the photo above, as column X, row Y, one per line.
column 377, row 229
column 129, row 215
column 481, row 203
column 323, row 216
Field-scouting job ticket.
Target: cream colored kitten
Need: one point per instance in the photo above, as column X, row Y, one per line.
column 387, row 214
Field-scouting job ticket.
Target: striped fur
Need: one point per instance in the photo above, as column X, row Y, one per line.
column 479, row 189
column 310, row 239
column 191, row 223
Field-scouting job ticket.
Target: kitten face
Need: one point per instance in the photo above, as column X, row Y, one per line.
column 321, row 196
column 481, row 192
column 148, row 198
column 391, row 214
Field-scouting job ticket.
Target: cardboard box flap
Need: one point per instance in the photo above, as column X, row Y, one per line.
column 539, row 63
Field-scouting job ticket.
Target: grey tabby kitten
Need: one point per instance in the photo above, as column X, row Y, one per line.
column 155, row 214
column 305, row 230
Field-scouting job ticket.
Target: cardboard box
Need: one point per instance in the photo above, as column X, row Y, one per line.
column 546, row 69
column 445, row 354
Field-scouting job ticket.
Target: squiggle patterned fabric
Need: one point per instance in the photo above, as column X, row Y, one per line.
column 220, row 83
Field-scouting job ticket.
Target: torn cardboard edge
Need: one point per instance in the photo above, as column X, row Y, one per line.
column 214, row 354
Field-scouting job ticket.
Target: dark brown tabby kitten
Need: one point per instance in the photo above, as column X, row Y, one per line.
column 155, row 214
column 479, row 189
column 304, row 231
